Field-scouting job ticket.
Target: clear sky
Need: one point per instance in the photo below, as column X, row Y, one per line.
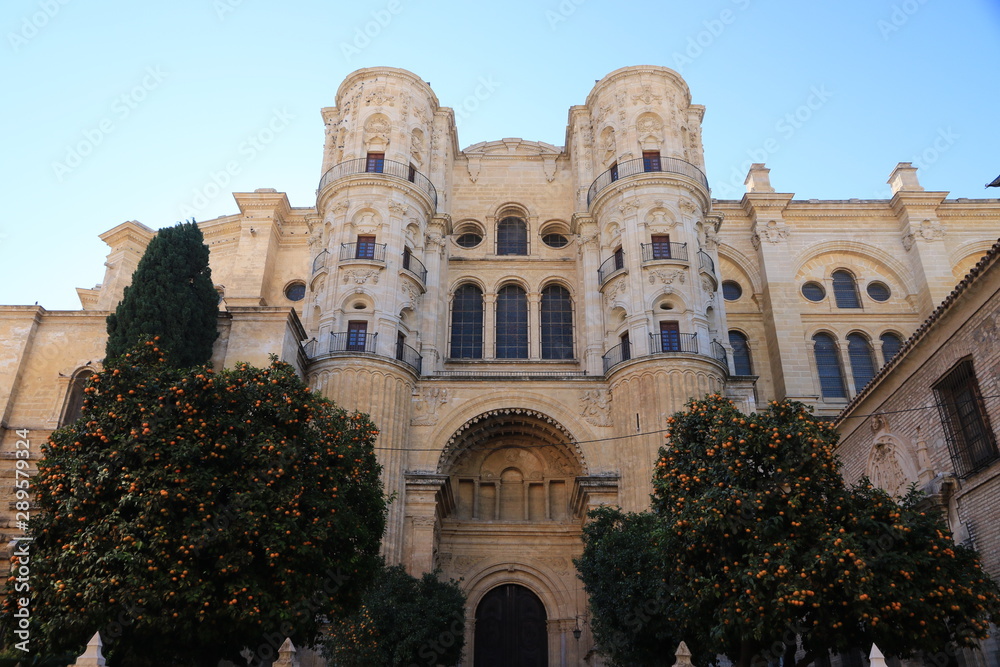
column 124, row 110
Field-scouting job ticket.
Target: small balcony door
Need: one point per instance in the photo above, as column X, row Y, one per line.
column 375, row 163
column 357, row 336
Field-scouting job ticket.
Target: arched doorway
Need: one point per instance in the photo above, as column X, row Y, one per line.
column 510, row 629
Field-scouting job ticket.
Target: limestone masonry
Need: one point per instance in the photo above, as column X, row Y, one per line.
column 520, row 318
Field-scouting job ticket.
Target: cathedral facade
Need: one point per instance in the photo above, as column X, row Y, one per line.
column 520, row 318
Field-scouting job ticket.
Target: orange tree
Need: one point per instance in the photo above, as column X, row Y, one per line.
column 191, row 515
column 762, row 547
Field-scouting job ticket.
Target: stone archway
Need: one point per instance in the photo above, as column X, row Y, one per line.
column 511, row 629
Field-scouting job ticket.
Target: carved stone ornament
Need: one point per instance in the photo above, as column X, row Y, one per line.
column 596, row 407
column 379, row 98
column 612, row 292
column 879, row 423
column 341, row 206
column 931, row 230
column 667, row 277
column 711, row 238
column 628, row 207
column 773, row 231
column 361, row 276
column 425, row 405
column 688, row 206
column 589, row 238
column 398, row 208
column 649, row 125
column 647, row 96
column 885, row 470
column 412, row 293
column 377, row 127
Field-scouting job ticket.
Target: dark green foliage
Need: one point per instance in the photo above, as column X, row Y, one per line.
column 403, row 621
column 621, row 571
column 171, row 296
column 756, row 540
column 190, row 514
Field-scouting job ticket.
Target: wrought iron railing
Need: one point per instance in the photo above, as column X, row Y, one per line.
column 415, row 266
column 409, row 356
column 719, row 353
column 640, row 165
column 320, row 260
column 653, row 252
column 392, row 168
column 668, row 341
column 611, row 265
column 373, row 252
column 353, row 341
column 616, row 355
column 705, row 262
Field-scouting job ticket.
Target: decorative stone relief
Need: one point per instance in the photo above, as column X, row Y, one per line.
column 612, row 292
column 560, row 566
column 647, row 96
column 907, row 241
column 361, row 276
column 608, row 142
column 773, row 231
column 931, row 230
column 377, row 127
column 398, row 208
column 667, row 277
column 878, row 424
column 884, row 469
column 412, row 293
column 596, row 407
column 379, row 98
column 341, row 206
column 711, row 238
column 473, row 165
column 425, row 405
column 688, row 206
column 621, row 98
column 549, row 165
column 628, row 207
column 435, row 240
column 417, row 146
column 589, row 238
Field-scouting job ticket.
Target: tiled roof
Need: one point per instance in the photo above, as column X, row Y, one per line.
column 988, row 259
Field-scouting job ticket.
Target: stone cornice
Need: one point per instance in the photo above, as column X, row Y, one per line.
column 131, row 230
column 372, row 73
column 276, row 203
column 651, row 178
column 636, row 71
column 508, row 148
column 922, row 199
column 755, row 203
column 373, row 179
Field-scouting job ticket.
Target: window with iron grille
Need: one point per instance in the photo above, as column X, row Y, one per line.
column 365, row 247
column 512, row 323
column 661, row 246
column 512, row 237
column 831, row 375
column 845, row 290
column 619, row 258
column 557, row 323
column 862, row 357
column 626, row 346
column 467, row 323
column 741, row 353
column 375, row 164
column 651, row 161
column 891, row 344
column 971, row 440
column 614, row 171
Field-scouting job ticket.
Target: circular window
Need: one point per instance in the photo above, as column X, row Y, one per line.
column 469, row 240
column 879, row 291
column 555, row 240
column 295, row 291
column 813, row 291
column 731, row 290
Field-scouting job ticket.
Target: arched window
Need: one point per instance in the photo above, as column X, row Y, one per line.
column 741, row 353
column 512, row 237
column 75, row 396
column 845, row 290
column 831, row 375
column 862, row 356
column 557, row 323
column 512, row 323
column 467, row 323
column 891, row 343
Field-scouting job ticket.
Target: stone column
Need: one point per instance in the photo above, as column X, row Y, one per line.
column 423, row 493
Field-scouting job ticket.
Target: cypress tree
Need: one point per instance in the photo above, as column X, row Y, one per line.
column 171, row 296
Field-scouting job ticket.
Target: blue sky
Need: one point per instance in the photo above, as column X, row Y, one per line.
column 124, row 110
